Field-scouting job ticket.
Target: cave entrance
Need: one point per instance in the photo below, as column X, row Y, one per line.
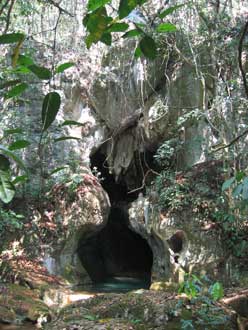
column 116, row 252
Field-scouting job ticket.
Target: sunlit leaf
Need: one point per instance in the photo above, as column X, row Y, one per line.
column 217, row 291
column 63, row 138
column 40, row 72
column 132, row 33
column 58, row 169
column 20, row 144
column 62, row 67
column 95, row 4
column 16, row 91
column 7, row 189
column 50, row 108
column 12, row 131
column 11, row 38
column 71, row 123
column 166, row 27
column 227, row 184
column 169, row 11
column 20, row 179
column 137, row 52
column 148, row 47
column 118, row 27
column 25, row 60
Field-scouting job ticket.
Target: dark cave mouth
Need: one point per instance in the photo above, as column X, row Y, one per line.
column 117, row 253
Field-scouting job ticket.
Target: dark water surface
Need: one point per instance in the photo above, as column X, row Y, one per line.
column 115, row 285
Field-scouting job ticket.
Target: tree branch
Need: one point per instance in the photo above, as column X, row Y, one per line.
column 240, row 50
column 8, row 16
column 62, row 10
column 232, row 142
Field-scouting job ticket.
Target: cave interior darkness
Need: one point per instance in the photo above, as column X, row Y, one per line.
column 115, row 251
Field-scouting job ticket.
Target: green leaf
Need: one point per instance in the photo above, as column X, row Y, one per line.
column 237, row 190
column 12, row 155
column 245, row 189
column 7, row 189
column 217, row 291
column 20, row 179
column 10, row 83
column 239, row 176
column 137, row 52
column 40, row 72
column 4, row 163
column 63, row 138
column 125, row 7
column 25, row 60
column 166, row 27
column 95, row 4
column 11, row 38
column 12, row 131
column 227, row 184
column 20, row 144
column 106, row 39
column 50, row 108
column 62, row 67
column 71, row 123
column 118, row 27
column 148, row 47
column 16, row 91
column 132, row 33
column 58, row 169
column 169, row 11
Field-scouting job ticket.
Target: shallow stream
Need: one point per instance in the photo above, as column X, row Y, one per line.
column 115, row 285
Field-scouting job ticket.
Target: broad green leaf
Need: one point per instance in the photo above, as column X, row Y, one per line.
column 118, row 27
column 10, row 83
column 245, row 189
column 11, row 38
column 89, row 40
column 137, row 52
column 71, row 123
column 106, row 39
column 40, row 72
column 58, row 169
column 237, row 190
column 25, row 60
column 125, row 7
column 217, row 291
column 97, row 24
column 12, row 131
column 227, row 184
column 166, row 27
column 239, row 176
column 12, row 155
column 63, row 138
column 95, row 4
column 7, row 189
column 50, row 108
column 132, row 33
column 62, row 67
column 16, row 91
column 169, row 11
column 20, row 144
column 4, row 163
column 20, row 179
column 148, row 47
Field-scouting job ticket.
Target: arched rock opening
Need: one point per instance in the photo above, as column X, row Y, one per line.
column 116, row 251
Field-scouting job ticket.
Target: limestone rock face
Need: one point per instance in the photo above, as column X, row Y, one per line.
column 81, row 211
